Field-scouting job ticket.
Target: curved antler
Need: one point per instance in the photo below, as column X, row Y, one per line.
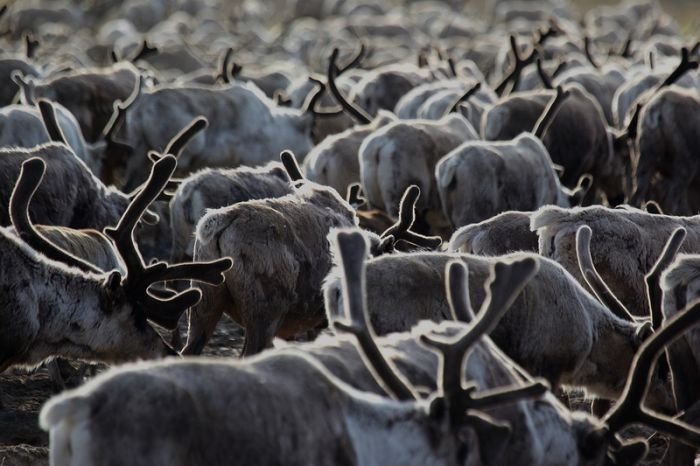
column 545, row 120
column 312, row 99
column 544, row 77
column 291, row 166
column 356, row 112
column 30, row 176
column 352, row 248
column 683, row 67
column 653, row 278
column 595, row 282
column 629, row 409
column 50, row 119
column 465, row 97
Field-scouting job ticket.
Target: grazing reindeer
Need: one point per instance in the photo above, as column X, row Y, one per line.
column 55, row 309
column 280, row 256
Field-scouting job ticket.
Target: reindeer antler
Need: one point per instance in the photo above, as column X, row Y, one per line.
column 592, row 277
column 545, row 121
column 683, row 67
column 48, row 116
column 289, row 161
column 502, row 288
column 313, row 98
column 401, row 230
column 356, row 112
column 653, row 278
column 354, row 196
column 140, row 277
column 30, row 176
column 629, row 409
column 464, row 97
column 352, row 247
column 518, row 66
column 544, row 77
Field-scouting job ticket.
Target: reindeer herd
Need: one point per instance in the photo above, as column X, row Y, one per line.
column 348, row 181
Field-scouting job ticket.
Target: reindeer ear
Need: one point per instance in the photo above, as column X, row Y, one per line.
column 629, row 453
column 114, row 280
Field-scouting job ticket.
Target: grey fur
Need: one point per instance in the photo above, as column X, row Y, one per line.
column 478, row 180
column 280, row 255
column 214, row 188
column 501, row 234
column 555, row 329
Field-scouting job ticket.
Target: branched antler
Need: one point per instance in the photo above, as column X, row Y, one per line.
column 356, row 112
column 355, row 197
column 140, row 277
column 502, row 288
column 31, row 44
column 224, row 66
column 518, row 66
column 629, row 408
column 683, row 67
column 401, row 230
column 352, row 247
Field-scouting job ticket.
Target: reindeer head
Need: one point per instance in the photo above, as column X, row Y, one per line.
column 119, row 328
column 453, row 414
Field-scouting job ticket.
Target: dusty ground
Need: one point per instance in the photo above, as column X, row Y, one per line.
column 22, row 442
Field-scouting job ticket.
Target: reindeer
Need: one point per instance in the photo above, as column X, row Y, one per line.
column 477, row 180
column 56, row 309
column 279, row 248
column 569, row 335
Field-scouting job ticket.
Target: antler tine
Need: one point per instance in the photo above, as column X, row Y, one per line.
column 309, row 105
column 31, row 44
column 122, row 235
column 547, row 118
column 224, row 65
column 357, row 113
column 354, row 196
column 120, row 110
column 356, row 60
column 465, row 97
column 588, row 52
column 30, row 176
column 291, row 166
column 49, row 117
column 683, row 67
column 401, row 230
column 518, row 66
column 544, row 77
column 653, row 278
column 595, row 282
column 629, row 408
column 457, row 284
column 180, row 140
column 352, row 247
column 502, row 288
